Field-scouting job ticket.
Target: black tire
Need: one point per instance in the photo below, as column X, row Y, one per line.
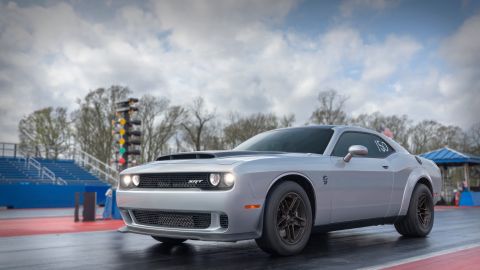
column 287, row 222
column 420, row 216
column 169, row 241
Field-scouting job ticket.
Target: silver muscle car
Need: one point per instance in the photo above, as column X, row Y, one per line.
column 279, row 186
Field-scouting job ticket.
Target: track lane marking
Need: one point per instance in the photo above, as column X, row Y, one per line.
column 421, row 257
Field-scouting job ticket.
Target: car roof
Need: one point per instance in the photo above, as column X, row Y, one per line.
column 335, row 127
column 342, row 128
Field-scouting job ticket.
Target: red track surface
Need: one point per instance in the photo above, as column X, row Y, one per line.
column 53, row 225
column 464, row 259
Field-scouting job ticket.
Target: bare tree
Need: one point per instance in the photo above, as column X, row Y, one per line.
column 213, row 137
column 429, row 135
column 473, row 139
column 422, row 136
column 453, row 137
column 330, row 110
column 473, row 144
column 242, row 128
column 160, row 122
column 196, row 121
column 93, row 121
column 399, row 125
column 287, row 120
column 150, row 108
column 45, row 132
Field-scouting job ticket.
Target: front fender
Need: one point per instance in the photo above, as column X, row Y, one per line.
column 294, row 175
column 414, row 177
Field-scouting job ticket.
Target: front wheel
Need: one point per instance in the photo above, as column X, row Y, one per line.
column 287, row 222
column 169, row 241
column 419, row 219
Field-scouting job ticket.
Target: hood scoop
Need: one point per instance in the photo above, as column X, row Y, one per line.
column 185, row 156
column 214, row 154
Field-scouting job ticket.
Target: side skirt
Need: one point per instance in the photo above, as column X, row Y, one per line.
column 355, row 224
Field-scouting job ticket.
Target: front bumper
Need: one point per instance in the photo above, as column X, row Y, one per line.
column 242, row 223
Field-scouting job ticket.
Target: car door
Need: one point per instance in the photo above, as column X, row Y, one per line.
column 361, row 187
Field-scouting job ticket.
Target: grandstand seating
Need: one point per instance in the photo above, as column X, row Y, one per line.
column 16, row 169
column 13, row 170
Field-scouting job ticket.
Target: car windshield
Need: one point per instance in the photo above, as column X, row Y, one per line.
column 293, row 140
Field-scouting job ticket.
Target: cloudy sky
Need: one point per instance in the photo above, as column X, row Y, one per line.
column 420, row 58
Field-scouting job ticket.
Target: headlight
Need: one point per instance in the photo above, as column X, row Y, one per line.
column 126, row 181
column 136, row 180
column 215, row 179
column 221, row 180
column 228, row 179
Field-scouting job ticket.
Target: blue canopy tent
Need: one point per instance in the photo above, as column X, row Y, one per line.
column 445, row 158
column 449, row 157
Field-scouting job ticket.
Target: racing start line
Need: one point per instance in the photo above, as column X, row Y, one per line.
column 53, row 225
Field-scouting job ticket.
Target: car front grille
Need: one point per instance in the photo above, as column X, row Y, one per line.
column 224, row 221
column 172, row 219
column 175, row 180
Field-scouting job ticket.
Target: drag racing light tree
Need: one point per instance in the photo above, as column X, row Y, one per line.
column 128, row 134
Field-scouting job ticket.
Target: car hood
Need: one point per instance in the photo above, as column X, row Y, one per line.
column 198, row 160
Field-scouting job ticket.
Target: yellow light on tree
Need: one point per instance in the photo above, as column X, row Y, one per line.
column 122, row 131
column 121, row 141
column 122, row 121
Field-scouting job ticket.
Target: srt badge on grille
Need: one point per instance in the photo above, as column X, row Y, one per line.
column 195, row 181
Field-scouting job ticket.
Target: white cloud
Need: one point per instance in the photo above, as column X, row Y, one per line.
column 235, row 54
column 383, row 60
column 461, row 86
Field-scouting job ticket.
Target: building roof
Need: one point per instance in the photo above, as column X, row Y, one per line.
column 447, row 156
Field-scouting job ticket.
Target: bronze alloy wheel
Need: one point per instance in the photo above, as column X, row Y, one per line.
column 424, row 213
column 291, row 218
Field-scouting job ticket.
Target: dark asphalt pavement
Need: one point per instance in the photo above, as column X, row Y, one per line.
column 347, row 249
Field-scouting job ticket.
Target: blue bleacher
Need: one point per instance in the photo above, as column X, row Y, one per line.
column 15, row 170
column 12, row 168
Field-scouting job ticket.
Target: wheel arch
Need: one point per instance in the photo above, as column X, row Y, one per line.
column 416, row 177
column 425, row 181
column 301, row 180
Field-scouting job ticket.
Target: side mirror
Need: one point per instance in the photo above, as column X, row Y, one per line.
column 355, row 150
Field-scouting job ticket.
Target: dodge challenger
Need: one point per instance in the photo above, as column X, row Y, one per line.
column 280, row 186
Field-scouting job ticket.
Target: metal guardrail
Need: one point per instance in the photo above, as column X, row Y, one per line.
column 34, row 163
column 62, row 182
column 104, row 171
column 8, row 149
column 47, row 173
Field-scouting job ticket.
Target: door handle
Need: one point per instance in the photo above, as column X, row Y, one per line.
column 385, row 167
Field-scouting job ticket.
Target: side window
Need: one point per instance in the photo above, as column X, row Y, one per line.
column 377, row 147
column 346, row 140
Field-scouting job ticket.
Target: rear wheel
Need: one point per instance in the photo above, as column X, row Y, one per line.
column 287, row 222
column 419, row 219
column 169, row 241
